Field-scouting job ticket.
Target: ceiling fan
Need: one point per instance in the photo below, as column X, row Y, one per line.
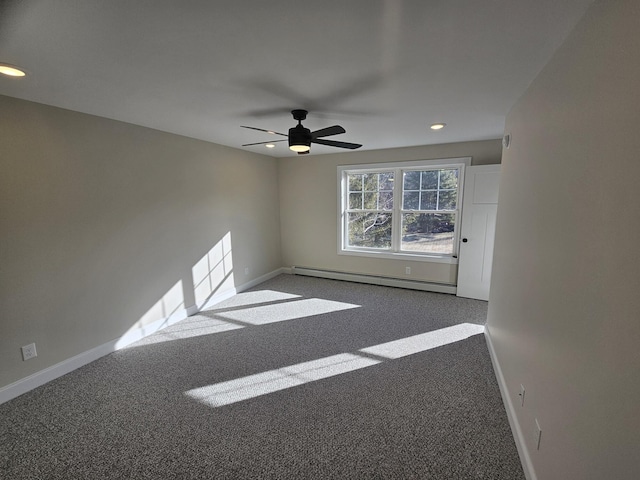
column 301, row 138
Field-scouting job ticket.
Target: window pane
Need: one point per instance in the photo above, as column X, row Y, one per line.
column 355, row 183
column 386, row 181
column 447, row 200
column 371, row 230
column 411, row 201
column 428, row 200
column 448, row 179
column 386, row 201
column 371, row 200
column 370, row 182
column 355, row 200
column 428, row 232
column 430, row 180
column 412, row 181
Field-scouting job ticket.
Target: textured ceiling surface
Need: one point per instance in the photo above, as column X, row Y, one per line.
column 383, row 69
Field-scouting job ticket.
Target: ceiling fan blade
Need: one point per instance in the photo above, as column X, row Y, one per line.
column 266, row 131
column 262, row 143
column 333, row 143
column 327, row 132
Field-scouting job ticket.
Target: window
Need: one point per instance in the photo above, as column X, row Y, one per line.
column 370, row 211
column 402, row 209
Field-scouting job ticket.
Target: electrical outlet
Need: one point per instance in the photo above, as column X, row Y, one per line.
column 537, row 435
column 521, row 395
column 29, row 351
column 407, row 270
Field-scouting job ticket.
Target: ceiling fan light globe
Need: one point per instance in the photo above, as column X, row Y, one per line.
column 300, row 148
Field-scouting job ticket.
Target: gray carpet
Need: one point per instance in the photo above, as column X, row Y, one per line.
column 350, row 411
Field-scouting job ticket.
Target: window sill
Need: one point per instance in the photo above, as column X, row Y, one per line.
column 401, row 256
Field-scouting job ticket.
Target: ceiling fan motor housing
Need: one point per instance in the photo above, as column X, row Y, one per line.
column 299, row 135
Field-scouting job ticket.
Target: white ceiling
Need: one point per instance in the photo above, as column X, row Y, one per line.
column 383, row 69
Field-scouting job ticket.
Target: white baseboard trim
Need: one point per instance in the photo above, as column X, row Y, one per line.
column 518, row 436
column 261, row 279
column 215, row 299
column 38, row 379
column 375, row 280
column 153, row 327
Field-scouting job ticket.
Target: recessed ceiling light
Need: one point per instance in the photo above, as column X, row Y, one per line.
column 438, row 126
column 11, row 70
column 270, row 145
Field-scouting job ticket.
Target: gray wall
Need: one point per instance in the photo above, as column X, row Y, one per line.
column 100, row 219
column 564, row 311
column 309, row 205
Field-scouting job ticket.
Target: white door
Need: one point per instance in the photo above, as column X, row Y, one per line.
column 479, row 207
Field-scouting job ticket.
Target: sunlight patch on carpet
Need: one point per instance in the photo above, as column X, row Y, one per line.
column 286, row 311
column 189, row 328
column 228, row 317
column 251, row 386
column 424, row 341
column 247, row 299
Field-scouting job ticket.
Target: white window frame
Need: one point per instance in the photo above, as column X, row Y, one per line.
column 399, row 167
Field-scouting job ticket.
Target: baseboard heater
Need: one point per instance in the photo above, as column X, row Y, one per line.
column 375, row 280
